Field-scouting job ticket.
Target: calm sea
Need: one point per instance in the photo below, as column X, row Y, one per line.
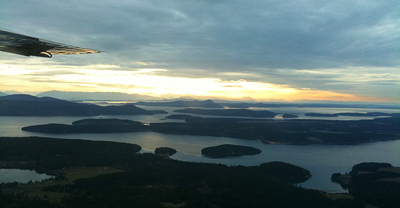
column 321, row 160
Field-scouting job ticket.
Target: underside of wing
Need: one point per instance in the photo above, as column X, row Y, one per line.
column 31, row 46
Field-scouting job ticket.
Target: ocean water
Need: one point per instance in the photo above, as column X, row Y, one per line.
column 321, row 160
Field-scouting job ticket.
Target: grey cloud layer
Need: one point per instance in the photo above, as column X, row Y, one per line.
column 256, row 36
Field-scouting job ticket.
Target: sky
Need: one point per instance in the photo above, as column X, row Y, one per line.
column 260, row 50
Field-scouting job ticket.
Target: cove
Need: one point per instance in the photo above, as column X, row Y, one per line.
column 21, row 176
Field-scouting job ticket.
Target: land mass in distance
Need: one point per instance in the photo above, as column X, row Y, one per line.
column 229, row 150
column 294, row 131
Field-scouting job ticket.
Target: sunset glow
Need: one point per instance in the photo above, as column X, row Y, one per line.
column 102, row 78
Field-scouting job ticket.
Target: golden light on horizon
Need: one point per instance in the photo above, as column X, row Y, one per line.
column 109, row 78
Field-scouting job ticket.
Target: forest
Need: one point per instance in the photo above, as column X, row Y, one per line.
column 148, row 180
column 376, row 183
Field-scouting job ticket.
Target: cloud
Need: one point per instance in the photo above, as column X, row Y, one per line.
column 303, row 44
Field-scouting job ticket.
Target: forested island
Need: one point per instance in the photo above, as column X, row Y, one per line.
column 370, row 114
column 110, row 174
column 229, row 150
column 292, row 131
column 90, row 126
column 376, row 183
column 289, row 116
column 165, row 151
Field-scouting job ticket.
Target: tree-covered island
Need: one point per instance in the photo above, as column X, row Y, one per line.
column 229, row 150
column 165, row 151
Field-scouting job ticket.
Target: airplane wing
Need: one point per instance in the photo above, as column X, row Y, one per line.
column 31, row 46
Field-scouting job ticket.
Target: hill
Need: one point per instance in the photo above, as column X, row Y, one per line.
column 78, row 96
column 27, row 105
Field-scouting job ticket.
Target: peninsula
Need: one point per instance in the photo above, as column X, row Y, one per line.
column 376, row 183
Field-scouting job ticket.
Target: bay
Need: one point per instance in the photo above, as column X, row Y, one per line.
column 21, row 176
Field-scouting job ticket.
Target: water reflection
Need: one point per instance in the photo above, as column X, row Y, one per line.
column 21, row 176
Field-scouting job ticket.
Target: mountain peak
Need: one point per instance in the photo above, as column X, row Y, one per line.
column 20, row 97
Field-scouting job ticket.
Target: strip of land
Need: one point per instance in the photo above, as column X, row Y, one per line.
column 293, row 131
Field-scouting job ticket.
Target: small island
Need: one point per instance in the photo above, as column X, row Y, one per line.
column 289, row 116
column 164, row 151
column 229, row 150
column 179, row 116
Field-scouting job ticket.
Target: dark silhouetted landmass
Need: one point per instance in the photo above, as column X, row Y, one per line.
column 230, row 112
column 27, row 105
column 292, row 131
column 146, row 180
column 229, row 150
column 194, row 103
column 376, row 183
column 289, row 116
column 179, row 116
column 96, row 96
column 165, row 151
column 293, row 173
column 90, row 126
column 52, row 154
column 321, row 115
column 105, row 121
column 371, row 114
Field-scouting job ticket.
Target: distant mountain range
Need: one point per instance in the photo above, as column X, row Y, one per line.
column 27, row 105
column 184, row 102
column 308, row 105
column 98, row 96
column 194, row 103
